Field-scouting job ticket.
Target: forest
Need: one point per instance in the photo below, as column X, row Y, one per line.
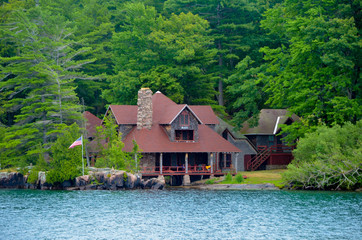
column 60, row 58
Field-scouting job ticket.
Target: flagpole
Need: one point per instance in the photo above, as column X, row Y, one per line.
column 82, row 156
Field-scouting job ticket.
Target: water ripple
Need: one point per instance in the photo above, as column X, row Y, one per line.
column 179, row 214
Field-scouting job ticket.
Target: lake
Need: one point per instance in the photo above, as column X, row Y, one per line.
column 180, row 214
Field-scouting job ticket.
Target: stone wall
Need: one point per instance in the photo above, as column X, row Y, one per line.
column 193, row 125
column 144, row 113
column 148, row 160
column 125, row 129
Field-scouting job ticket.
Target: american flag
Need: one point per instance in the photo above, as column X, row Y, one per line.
column 76, row 143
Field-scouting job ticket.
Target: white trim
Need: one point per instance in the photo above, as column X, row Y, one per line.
column 276, row 126
column 114, row 115
column 182, row 111
column 105, row 114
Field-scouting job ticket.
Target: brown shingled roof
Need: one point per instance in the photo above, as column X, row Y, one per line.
column 269, row 122
column 164, row 111
column 157, row 140
column 124, row 114
column 92, row 123
column 205, row 114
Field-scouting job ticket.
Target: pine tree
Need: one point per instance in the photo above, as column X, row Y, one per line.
column 37, row 80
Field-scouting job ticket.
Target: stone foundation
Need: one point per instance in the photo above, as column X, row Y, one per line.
column 186, row 180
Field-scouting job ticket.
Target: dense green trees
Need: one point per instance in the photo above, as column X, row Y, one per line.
column 313, row 69
column 244, row 55
column 316, row 74
column 165, row 54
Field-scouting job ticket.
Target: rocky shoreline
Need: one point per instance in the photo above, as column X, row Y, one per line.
column 97, row 179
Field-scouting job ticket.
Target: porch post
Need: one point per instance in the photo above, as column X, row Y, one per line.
column 236, row 162
column 187, row 162
column 217, row 160
column 161, row 163
column 224, row 160
column 212, row 162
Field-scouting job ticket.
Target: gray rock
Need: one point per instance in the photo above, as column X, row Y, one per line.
column 82, row 181
column 12, row 180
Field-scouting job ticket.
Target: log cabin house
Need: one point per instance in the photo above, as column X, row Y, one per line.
column 272, row 152
column 188, row 141
column 175, row 139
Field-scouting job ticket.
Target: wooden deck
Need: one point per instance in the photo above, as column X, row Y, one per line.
column 180, row 170
column 273, row 155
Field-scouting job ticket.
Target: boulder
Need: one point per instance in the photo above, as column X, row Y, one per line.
column 132, row 181
column 154, row 183
column 159, row 183
column 82, row 181
column 12, row 180
column 42, row 182
column 116, row 180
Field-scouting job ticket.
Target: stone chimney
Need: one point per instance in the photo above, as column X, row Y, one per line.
column 144, row 113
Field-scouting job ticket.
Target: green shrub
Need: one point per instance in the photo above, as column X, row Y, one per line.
column 66, row 163
column 329, row 158
column 33, row 177
column 167, row 179
column 239, row 178
column 228, row 177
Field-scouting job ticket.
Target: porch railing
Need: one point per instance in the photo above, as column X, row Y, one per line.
column 198, row 169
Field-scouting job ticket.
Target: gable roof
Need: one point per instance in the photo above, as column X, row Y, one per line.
column 205, row 113
column 220, row 128
column 92, row 123
column 186, row 107
column 209, row 141
column 270, row 121
column 164, row 111
column 124, row 114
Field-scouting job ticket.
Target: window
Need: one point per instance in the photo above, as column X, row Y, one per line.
column 184, row 118
column 184, row 135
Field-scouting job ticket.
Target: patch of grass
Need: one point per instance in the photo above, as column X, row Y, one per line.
column 258, row 177
column 13, row 169
column 210, row 181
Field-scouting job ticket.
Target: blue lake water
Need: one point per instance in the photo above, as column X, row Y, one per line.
column 179, row 214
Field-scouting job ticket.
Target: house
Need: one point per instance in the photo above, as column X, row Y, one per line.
column 229, row 133
column 175, row 139
column 272, row 152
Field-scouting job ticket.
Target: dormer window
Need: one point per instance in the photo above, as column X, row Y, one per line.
column 184, row 135
column 184, row 118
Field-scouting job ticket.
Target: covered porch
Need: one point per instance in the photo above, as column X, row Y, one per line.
column 173, row 164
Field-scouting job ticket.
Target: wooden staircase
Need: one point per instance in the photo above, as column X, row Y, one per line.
column 262, row 155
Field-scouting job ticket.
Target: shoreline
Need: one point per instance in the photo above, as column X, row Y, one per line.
column 266, row 186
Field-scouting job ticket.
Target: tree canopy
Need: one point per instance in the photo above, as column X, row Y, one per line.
column 237, row 55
